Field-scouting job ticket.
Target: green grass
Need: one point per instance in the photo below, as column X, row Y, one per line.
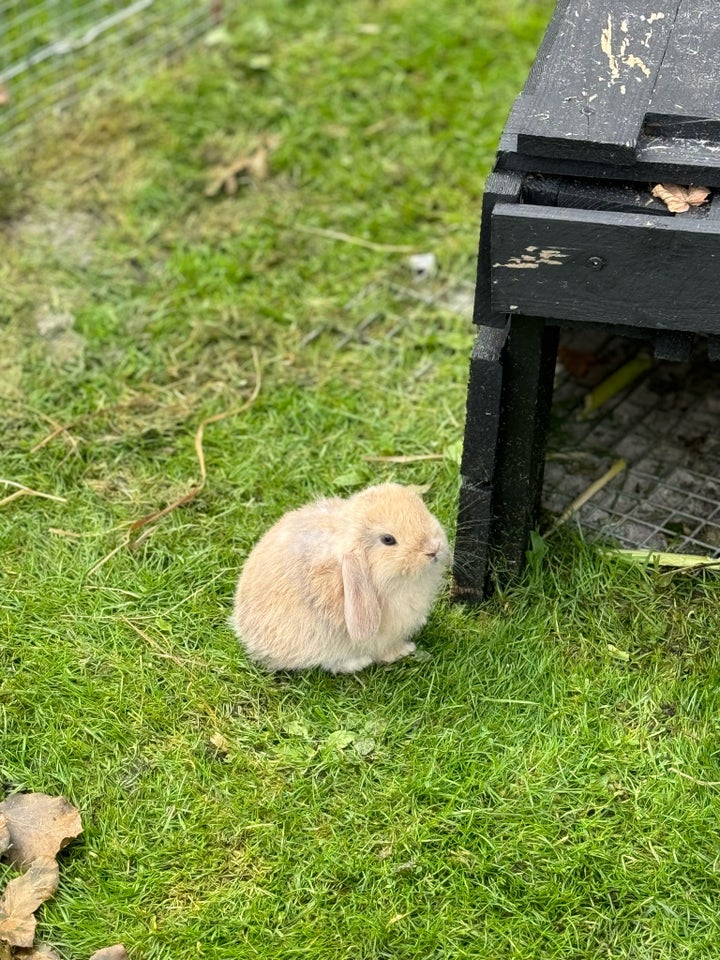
column 545, row 783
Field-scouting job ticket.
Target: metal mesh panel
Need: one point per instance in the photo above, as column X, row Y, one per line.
column 54, row 51
column 666, row 425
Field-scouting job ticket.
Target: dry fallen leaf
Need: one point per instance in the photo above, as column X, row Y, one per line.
column 42, row 951
column 672, row 196
column 22, row 897
column 4, row 95
column 4, row 833
column 679, row 199
column 252, row 166
column 39, row 826
column 697, row 195
column 117, row 952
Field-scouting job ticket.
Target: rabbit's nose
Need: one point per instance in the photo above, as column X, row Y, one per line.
column 433, row 548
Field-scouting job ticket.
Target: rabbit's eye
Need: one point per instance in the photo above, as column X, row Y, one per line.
column 388, row 539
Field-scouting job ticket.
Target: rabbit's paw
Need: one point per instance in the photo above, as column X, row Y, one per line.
column 349, row 665
column 397, row 653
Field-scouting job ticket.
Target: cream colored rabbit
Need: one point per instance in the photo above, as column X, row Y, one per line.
column 340, row 584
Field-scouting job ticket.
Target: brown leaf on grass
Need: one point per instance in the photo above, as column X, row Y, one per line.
column 117, row 952
column 4, row 95
column 249, row 167
column 39, row 826
column 679, row 199
column 4, row 833
column 22, row 897
column 42, row 951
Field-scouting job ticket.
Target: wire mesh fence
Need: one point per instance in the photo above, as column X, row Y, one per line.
column 53, row 52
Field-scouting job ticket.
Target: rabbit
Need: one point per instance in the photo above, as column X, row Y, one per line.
column 341, row 583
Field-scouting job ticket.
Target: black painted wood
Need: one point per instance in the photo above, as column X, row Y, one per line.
column 686, row 99
column 584, row 194
column 528, row 366
column 597, row 80
column 658, row 160
column 543, row 58
column 483, row 405
column 583, row 265
column 505, row 188
column 673, row 345
column 508, row 409
column 471, row 565
column 477, row 469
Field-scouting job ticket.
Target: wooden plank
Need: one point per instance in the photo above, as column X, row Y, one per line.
column 595, row 82
column 658, row 159
column 609, row 268
column 713, row 342
column 584, row 194
column 686, row 98
column 688, row 161
column 500, row 187
column 483, row 405
column 543, row 58
column 528, row 366
column 477, row 469
column 673, row 345
column 508, row 410
column 471, row 568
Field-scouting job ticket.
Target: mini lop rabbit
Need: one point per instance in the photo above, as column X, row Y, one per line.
column 340, row 584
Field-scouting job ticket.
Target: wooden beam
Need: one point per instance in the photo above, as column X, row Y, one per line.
column 611, row 268
column 595, row 80
column 686, row 99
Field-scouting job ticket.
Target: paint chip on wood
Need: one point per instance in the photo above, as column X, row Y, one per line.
column 533, row 258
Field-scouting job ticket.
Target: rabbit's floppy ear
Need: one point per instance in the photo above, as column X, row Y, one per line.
column 362, row 607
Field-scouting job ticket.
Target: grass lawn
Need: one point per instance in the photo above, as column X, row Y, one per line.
column 544, row 781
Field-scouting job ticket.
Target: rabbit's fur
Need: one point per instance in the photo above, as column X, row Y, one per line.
column 322, row 589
